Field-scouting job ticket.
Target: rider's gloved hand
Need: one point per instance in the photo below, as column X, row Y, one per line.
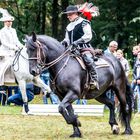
column 15, row 48
column 64, row 43
column 75, row 44
column 21, row 47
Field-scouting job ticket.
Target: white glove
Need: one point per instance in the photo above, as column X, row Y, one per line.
column 13, row 47
column 21, row 46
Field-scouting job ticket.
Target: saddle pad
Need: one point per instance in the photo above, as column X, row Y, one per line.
column 9, row 76
column 101, row 63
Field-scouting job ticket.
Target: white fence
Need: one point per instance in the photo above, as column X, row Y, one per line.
column 81, row 110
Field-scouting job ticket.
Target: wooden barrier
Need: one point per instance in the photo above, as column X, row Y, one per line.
column 81, row 110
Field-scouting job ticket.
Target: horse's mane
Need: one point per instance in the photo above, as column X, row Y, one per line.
column 50, row 42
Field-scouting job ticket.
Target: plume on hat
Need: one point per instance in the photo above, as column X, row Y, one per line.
column 89, row 10
column 5, row 15
column 4, row 12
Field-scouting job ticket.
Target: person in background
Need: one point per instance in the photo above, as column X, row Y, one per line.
column 112, row 48
column 17, row 97
column 45, row 76
column 136, row 80
column 3, row 95
column 124, row 62
column 81, row 101
column 135, row 51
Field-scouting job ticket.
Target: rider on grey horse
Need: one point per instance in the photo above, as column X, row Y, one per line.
column 79, row 34
column 9, row 44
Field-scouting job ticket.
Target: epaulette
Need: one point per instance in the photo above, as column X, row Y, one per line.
column 85, row 22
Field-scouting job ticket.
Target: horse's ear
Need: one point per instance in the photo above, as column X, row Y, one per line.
column 34, row 36
column 26, row 38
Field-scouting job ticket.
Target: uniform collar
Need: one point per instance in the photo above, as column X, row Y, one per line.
column 72, row 25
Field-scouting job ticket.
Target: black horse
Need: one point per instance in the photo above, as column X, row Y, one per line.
column 69, row 79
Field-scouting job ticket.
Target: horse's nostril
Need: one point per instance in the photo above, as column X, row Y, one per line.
column 33, row 72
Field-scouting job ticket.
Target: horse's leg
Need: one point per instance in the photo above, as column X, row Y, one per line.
column 125, row 97
column 66, row 109
column 111, row 105
column 45, row 88
column 22, row 87
column 76, row 130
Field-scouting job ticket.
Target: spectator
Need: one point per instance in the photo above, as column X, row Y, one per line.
column 112, row 48
column 124, row 62
column 136, row 80
column 81, row 101
column 135, row 51
column 45, row 76
column 3, row 95
column 17, row 97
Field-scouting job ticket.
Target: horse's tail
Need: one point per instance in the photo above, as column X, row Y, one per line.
column 129, row 104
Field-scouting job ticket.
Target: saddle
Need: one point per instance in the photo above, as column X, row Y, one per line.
column 99, row 63
column 7, row 75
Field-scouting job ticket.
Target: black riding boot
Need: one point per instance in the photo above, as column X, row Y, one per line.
column 89, row 62
column 93, row 76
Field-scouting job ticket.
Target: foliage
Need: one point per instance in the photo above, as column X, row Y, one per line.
column 118, row 20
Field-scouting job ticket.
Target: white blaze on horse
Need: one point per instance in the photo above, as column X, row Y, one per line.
column 22, row 75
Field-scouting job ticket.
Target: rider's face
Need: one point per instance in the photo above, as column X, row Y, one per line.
column 8, row 23
column 72, row 16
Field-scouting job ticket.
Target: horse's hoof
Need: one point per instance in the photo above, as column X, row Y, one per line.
column 24, row 113
column 115, row 129
column 127, row 132
column 75, row 136
column 27, row 113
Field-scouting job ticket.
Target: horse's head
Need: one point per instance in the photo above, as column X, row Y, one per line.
column 36, row 54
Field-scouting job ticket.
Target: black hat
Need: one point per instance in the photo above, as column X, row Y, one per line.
column 71, row 9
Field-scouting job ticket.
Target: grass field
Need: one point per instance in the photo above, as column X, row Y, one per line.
column 14, row 126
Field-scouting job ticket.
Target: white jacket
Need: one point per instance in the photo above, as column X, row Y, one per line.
column 9, row 41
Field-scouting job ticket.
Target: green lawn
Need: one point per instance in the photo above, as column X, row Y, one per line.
column 15, row 126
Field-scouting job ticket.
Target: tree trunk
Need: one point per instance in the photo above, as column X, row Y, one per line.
column 55, row 13
column 64, row 21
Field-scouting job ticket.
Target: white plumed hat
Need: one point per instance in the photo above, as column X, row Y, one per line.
column 5, row 15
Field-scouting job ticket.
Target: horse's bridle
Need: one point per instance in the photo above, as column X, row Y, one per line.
column 44, row 65
column 40, row 62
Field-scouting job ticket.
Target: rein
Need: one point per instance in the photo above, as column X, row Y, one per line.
column 16, row 59
column 42, row 63
column 46, row 66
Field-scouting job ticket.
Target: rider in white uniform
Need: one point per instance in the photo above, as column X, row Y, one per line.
column 9, row 45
